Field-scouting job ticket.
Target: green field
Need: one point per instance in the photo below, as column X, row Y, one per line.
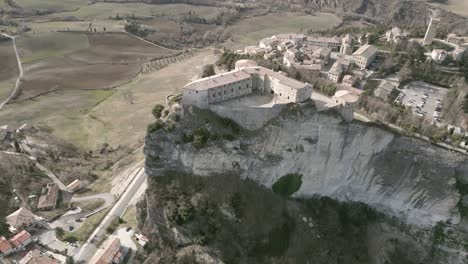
column 459, row 7
column 99, row 11
column 251, row 30
column 54, row 5
column 38, row 47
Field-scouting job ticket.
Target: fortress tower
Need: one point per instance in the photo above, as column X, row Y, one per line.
column 346, row 45
column 431, row 31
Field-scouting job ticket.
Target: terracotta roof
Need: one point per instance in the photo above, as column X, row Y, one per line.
column 50, row 198
column 217, row 80
column 20, row 217
column 20, row 238
column 322, row 39
column 365, row 51
column 35, row 257
column 74, row 185
column 106, row 254
column 5, row 246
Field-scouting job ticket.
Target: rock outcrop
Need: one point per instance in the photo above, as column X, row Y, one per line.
column 397, row 175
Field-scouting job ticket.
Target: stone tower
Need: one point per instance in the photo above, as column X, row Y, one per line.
column 431, row 31
column 346, row 45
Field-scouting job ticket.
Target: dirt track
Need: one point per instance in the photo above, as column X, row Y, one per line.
column 16, row 90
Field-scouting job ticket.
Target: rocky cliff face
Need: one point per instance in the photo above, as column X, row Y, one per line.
column 397, row 175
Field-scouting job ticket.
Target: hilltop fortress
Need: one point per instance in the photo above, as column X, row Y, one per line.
column 245, row 81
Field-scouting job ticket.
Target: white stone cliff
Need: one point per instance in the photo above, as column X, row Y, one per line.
column 398, row 175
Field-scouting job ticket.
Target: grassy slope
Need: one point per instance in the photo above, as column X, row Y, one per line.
column 459, row 7
column 38, row 47
column 8, row 69
column 105, row 10
column 55, row 5
column 250, row 31
column 78, row 116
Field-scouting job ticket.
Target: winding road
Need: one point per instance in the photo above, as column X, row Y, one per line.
column 20, row 76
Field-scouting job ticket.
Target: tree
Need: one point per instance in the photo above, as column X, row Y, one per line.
column 157, row 110
column 70, row 260
column 405, row 73
column 208, row 70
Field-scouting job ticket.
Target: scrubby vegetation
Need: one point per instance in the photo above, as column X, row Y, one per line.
column 228, row 215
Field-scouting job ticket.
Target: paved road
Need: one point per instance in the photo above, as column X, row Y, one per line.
column 107, row 197
column 89, row 248
column 20, row 76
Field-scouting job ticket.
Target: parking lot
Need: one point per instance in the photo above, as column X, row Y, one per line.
column 425, row 100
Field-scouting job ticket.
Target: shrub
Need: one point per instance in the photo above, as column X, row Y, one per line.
column 170, row 127
column 200, row 137
column 59, row 232
column 187, row 137
column 229, row 137
column 228, row 123
column 288, row 184
column 179, row 212
column 170, row 210
column 166, row 112
column 155, row 126
column 157, row 110
column 174, row 117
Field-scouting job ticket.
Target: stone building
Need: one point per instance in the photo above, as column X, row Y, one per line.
column 331, row 43
column 108, row 253
column 439, row 55
column 395, row 35
column 21, row 218
column 241, row 82
column 346, row 103
column 364, row 56
column 431, row 31
column 48, row 200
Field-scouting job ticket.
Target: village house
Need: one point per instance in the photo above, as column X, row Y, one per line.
column 395, row 35
column 268, row 43
column 454, row 39
column 108, row 253
column 242, row 82
column 339, row 69
column 5, row 247
column 35, row 257
column 384, row 90
column 48, row 200
column 349, row 81
column 20, row 219
column 364, row 56
column 17, row 243
column 142, row 239
column 439, row 55
column 74, row 186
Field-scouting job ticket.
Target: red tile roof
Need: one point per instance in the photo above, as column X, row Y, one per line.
column 20, row 238
column 5, row 246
